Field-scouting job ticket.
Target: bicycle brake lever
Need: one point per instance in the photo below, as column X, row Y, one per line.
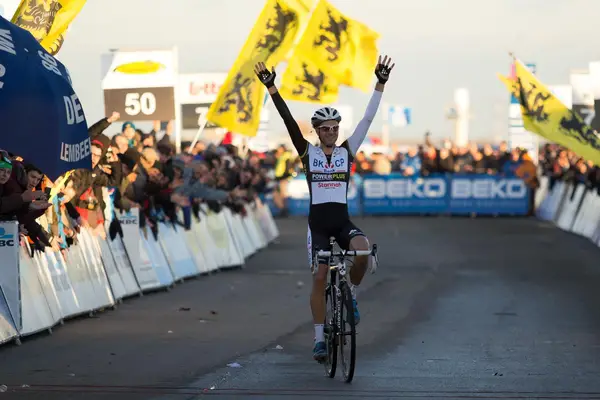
column 375, row 259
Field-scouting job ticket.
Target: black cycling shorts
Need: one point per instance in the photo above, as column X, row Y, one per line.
column 319, row 239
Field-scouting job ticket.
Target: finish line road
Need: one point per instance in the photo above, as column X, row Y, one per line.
column 458, row 309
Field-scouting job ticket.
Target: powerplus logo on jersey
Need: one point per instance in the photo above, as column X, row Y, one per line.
column 341, row 176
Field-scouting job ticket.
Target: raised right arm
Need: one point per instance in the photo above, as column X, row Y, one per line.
column 267, row 78
column 298, row 140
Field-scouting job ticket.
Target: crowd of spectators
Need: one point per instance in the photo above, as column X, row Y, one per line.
column 133, row 169
column 447, row 158
column 130, row 169
column 560, row 164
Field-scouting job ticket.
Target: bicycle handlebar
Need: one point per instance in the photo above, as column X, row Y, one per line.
column 353, row 253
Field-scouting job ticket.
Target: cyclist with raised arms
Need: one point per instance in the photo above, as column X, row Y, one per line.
column 327, row 170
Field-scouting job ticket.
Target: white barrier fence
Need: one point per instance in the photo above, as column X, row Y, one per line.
column 38, row 293
column 571, row 207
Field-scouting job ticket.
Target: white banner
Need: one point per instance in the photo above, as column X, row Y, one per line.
column 157, row 260
column 177, row 253
column 37, row 315
column 112, row 272
column 65, row 292
column 52, row 288
column 7, row 328
column 9, row 271
column 206, row 244
column 138, row 254
column 119, row 253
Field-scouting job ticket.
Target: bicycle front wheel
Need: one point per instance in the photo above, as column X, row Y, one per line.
column 347, row 334
column 330, row 331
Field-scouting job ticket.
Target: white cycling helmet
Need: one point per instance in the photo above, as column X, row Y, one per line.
column 325, row 114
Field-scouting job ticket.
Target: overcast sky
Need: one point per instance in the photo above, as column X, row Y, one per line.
column 438, row 45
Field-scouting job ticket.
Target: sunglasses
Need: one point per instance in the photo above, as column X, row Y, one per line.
column 327, row 129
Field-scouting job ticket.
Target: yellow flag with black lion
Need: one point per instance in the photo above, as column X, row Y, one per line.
column 544, row 114
column 47, row 20
column 239, row 101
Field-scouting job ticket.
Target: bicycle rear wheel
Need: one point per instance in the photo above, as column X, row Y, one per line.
column 330, row 332
column 347, row 334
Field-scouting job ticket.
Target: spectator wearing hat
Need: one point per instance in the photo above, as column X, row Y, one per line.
column 89, row 199
column 128, row 130
column 11, row 201
column 20, row 202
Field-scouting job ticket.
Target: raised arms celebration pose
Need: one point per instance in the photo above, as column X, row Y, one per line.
column 327, row 170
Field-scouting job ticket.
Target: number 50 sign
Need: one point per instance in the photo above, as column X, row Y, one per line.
column 141, row 104
column 140, row 85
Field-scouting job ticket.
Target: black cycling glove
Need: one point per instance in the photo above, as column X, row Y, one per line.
column 382, row 72
column 267, row 77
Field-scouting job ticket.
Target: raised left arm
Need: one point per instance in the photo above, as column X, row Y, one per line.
column 360, row 133
column 382, row 72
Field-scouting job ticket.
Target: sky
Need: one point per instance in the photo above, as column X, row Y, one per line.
column 438, row 46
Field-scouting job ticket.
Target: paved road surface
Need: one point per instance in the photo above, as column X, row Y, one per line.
column 459, row 309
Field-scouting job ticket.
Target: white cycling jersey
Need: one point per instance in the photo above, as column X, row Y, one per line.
column 327, row 179
column 328, row 175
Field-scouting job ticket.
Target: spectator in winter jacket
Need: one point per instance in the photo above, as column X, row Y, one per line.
column 119, row 143
column 445, row 162
column 489, row 159
column 411, row 164
column 20, row 202
column 9, row 203
column 128, row 130
column 429, row 162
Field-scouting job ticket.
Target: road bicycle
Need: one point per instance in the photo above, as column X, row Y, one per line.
column 340, row 327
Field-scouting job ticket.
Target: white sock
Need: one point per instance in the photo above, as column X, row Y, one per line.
column 353, row 290
column 319, row 337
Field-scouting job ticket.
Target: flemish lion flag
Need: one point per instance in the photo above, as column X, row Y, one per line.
column 549, row 117
column 364, row 47
column 341, row 47
column 239, row 102
column 304, row 8
column 47, row 20
column 304, row 81
column 513, row 87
